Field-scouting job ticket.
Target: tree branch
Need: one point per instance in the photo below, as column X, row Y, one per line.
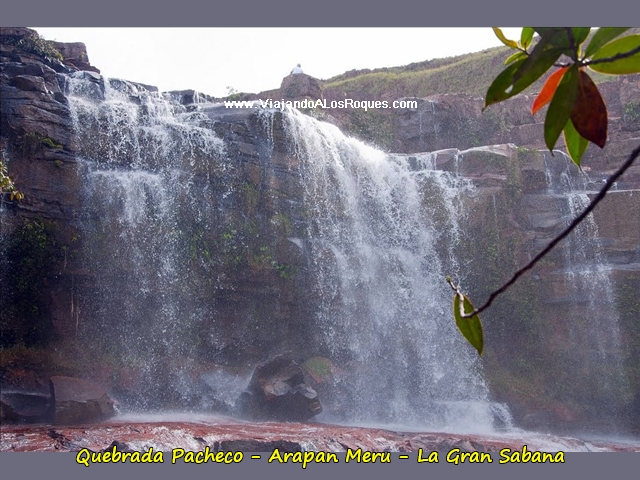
column 601, row 194
column 586, row 63
column 630, row 53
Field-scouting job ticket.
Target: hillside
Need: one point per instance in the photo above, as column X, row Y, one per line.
column 455, row 84
column 470, row 73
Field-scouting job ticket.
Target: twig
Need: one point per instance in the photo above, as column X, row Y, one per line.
column 601, row 194
column 630, row 53
column 586, row 63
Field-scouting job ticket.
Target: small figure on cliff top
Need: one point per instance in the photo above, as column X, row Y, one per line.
column 296, row 70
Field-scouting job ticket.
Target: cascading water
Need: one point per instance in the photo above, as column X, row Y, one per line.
column 594, row 323
column 379, row 238
column 384, row 305
column 139, row 152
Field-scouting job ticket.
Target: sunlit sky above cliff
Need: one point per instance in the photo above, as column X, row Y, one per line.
column 256, row 59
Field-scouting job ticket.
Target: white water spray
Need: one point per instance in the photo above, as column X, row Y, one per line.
column 375, row 224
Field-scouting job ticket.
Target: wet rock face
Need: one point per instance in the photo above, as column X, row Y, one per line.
column 71, row 401
column 75, row 55
column 36, row 130
column 248, row 248
column 79, row 401
column 21, row 407
column 277, row 391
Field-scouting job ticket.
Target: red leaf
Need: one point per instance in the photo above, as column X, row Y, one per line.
column 589, row 113
column 549, row 88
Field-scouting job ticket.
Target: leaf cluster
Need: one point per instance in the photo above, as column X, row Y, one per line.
column 576, row 107
column 7, row 185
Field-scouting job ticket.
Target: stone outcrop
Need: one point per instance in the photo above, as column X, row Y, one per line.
column 70, row 401
column 36, row 142
column 22, row 407
column 299, row 86
column 77, row 401
column 278, row 391
column 75, row 56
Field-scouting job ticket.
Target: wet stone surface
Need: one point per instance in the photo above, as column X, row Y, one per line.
column 225, row 434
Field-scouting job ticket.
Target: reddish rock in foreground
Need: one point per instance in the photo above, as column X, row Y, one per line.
column 224, row 434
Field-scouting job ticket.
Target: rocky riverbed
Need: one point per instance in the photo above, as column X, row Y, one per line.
column 164, row 432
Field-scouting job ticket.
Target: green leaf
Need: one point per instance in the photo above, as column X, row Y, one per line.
column 560, row 107
column 603, row 36
column 522, row 73
column 555, row 36
column 566, row 39
column 501, row 87
column 541, row 59
column 580, row 34
column 576, row 144
column 503, row 39
column 630, row 64
column 471, row 328
column 516, row 56
column 526, row 36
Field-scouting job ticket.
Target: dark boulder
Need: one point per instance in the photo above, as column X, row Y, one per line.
column 23, row 407
column 300, row 86
column 79, row 401
column 277, row 391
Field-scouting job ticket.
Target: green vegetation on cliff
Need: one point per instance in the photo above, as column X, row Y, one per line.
column 34, row 44
column 30, row 257
column 471, row 73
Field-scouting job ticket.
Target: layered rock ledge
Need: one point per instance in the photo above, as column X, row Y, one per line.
column 223, row 434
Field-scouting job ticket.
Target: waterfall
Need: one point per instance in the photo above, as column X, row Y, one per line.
column 384, row 309
column 139, row 152
column 380, row 233
column 590, row 276
column 594, row 337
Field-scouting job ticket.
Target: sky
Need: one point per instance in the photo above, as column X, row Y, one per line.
column 215, row 60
